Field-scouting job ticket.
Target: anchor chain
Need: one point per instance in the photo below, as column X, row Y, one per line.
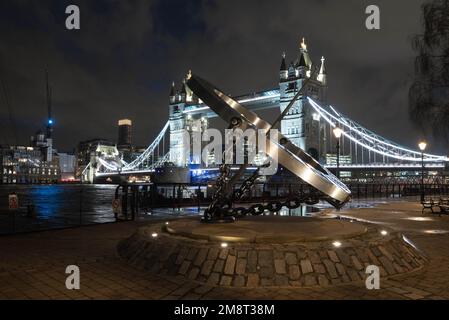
column 218, row 201
column 220, row 209
column 246, row 186
column 291, row 202
column 219, row 198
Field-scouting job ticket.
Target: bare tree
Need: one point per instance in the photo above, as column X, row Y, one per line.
column 429, row 94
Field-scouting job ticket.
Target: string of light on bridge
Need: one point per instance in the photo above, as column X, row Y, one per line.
column 353, row 127
column 351, row 130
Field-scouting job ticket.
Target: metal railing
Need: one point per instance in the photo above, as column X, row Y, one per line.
column 54, row 207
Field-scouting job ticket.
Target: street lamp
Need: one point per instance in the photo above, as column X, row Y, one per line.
column 337, row 133
column 422, row 146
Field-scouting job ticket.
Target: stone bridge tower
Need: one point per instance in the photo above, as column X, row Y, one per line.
column 184, row 127
column 302, row 125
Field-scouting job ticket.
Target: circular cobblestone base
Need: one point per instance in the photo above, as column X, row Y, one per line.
column 248, row 263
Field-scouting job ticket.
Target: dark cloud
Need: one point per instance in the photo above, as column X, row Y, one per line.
column 121, row 62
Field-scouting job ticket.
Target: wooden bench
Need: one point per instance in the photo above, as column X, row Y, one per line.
column 429, row 205
column 441, row 204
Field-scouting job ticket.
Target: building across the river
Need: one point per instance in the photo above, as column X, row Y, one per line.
column 27, row 165
column 87, row 154
column 67, row 165
column 124, row 134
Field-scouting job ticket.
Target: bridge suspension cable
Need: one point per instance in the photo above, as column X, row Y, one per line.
column 369, row 140
column 148, row 152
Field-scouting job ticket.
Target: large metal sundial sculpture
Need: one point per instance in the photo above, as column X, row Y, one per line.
column 289, row 155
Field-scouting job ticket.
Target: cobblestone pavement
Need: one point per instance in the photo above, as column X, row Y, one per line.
column 32, row 266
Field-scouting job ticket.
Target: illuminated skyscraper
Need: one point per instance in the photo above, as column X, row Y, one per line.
column 124, row 134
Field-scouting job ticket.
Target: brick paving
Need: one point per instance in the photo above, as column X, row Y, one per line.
column 32, row 266
column 254, row 264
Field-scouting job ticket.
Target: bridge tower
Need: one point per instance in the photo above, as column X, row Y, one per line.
column 184, row 127
column 302, row 125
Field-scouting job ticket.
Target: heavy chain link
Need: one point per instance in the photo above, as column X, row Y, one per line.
column 221, row 205
column 218, row 200
column 246, row 186
column 291, row 202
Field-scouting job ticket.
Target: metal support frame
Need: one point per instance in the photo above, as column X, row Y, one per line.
column 290, row 156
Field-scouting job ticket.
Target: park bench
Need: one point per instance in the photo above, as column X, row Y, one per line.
column 428, row 205
column 442, row 204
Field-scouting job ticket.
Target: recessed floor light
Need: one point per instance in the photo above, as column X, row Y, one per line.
column 336, row 244
column 436, row 231
column 419, row 219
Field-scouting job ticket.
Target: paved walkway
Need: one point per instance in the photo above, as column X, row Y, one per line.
column 32, row 266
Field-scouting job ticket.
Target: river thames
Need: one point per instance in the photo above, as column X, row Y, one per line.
column 64, row 205
column 56, row 206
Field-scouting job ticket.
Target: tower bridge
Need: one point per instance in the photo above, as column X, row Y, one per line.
column 267, row 99
column 309, row 125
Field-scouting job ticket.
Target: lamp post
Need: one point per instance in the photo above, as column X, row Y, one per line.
column 337, row 133
column 422, row 146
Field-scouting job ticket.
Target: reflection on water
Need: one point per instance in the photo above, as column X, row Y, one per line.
column 71, row 205
column 47, row 200
column 56, row 206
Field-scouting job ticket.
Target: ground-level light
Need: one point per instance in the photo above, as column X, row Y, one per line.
column 336, row 244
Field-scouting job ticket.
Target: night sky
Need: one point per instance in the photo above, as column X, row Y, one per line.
column 122, row 61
